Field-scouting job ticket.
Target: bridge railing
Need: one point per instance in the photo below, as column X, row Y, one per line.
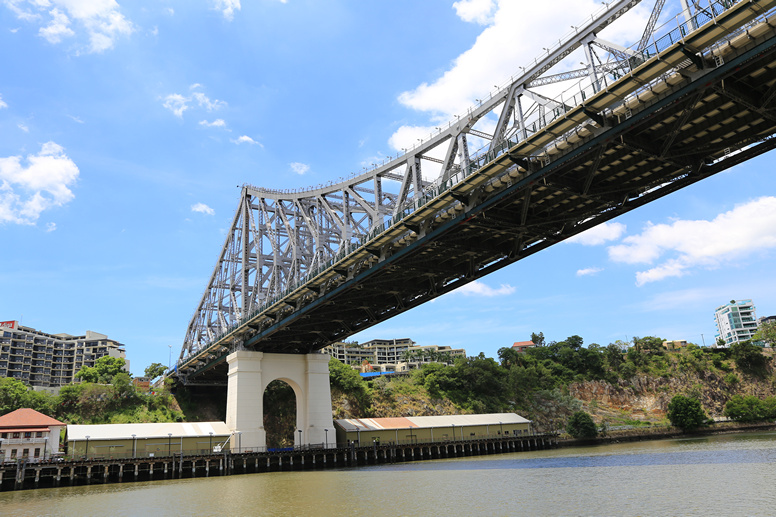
column 673, row 31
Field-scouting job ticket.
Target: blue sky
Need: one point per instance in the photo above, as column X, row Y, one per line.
column 128, row 126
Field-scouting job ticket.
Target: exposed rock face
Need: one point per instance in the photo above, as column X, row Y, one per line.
column 651, row 395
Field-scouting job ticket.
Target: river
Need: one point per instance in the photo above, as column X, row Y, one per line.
column 715, row 475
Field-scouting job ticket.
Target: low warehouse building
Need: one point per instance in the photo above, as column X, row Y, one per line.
column 424, row 429
column 144, row 440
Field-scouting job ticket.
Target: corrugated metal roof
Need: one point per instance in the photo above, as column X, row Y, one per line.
column 374, row 424
column 146, row 430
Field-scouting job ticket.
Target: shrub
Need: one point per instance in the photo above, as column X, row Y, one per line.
column 581, row 425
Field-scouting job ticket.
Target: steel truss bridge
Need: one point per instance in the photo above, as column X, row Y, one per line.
column 302, row 269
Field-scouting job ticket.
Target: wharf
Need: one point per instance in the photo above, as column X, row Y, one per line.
column 23, row 475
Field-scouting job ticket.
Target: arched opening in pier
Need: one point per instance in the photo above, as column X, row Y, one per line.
column 280, row 414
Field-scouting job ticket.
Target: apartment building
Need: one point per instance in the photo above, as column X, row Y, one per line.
column 736, row 321
column 46, row 360
column 391, row 355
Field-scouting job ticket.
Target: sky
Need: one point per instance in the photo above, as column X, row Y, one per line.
column 129, row 127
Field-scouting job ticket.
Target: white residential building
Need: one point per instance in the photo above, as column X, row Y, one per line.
column 391, row 355
column 736, row 321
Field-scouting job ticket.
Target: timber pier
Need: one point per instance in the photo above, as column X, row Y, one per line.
column 23, row 475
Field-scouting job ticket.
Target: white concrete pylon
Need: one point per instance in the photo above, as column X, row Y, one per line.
column 249, row 375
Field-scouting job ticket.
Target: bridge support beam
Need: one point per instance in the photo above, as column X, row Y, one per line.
column 249, row 375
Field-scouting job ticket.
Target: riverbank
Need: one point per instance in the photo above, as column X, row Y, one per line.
column 664, row 432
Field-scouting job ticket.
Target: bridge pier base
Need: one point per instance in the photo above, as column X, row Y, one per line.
column 249, row 375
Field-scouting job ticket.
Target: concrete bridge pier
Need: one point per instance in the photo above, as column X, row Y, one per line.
column 249, row 375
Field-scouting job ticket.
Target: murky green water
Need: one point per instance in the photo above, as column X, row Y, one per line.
column 719, row 475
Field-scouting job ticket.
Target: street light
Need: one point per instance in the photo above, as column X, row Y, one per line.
column 300, row 437
column 134, row 445
column 86, row 452
column 327, row 438
column 169, row 444
column 211, row 443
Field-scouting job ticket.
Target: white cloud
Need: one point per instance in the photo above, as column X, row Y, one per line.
column 178, row 103
column 227, row 8
column 299, row 168
column 2, row 103
column 598, row 235
column 76, row 119
column 170, row 11
column 100, row 20
column 477, row 11
column 477, row 288
column 245, row 139
column 44, row 183
column 23, row 127
column 514, row 34
column 202, row 208
column 216, row 123
column 748, row 228
column 589, row 271
column 50, row 227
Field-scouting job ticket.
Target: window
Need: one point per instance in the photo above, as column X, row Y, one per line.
column 17, row 435
column 13, row 453
column 3, row 435
column 39, row 434
column 28, row 434
column 37, row 452
column 25, row 453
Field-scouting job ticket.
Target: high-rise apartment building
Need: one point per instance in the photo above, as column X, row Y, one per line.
column 50, row 360
column 736, row 322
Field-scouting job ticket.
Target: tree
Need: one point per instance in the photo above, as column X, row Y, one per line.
column 13, row 395
column 104, row 370
column 766, row 333
column 581, row 425
column 686, row 413
column 155, row 370
column 748, row 357
column 537, row 339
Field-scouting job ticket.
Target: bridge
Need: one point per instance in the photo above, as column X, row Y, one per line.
column 558, row 153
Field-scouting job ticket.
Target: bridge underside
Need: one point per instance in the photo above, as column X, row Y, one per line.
column 712, row 117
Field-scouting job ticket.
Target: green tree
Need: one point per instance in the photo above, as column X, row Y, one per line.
column 103, row 371
column 537, row 339
column 581, row 425
column 746, row 409
column 155, row 370
column 13, row 394
column 686, row 413
column 749, row 358
column 766, row 333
